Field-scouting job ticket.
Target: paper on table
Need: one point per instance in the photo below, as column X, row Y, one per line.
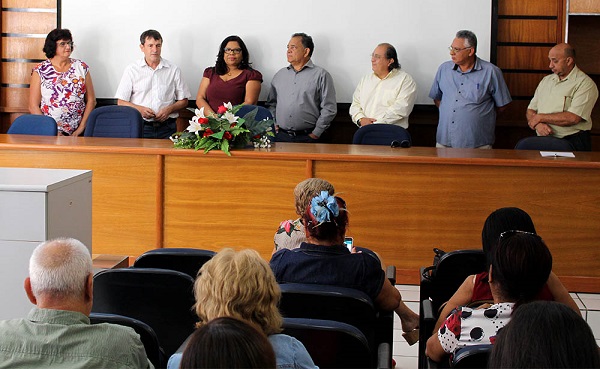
column 557, row 154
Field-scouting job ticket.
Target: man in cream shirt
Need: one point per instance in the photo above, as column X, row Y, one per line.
column 563, row 101
column 387, row 95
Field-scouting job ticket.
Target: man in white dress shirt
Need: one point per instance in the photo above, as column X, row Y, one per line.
column 154, row 87
column 387, row 95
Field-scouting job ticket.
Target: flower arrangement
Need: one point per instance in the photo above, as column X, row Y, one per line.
column 224, row 130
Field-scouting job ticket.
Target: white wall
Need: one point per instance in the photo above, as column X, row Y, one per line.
column 345, row 32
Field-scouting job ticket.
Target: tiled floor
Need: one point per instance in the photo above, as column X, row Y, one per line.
column 407, row 356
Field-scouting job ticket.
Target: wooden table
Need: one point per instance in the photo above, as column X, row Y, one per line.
column 402, row 202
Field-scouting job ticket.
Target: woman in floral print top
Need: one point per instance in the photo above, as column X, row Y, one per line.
column 61, row 87
column 290, row 233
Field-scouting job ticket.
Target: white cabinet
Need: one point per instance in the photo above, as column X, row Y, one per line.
column 37, row 205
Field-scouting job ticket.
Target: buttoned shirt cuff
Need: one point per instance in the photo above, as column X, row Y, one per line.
column 356, row 119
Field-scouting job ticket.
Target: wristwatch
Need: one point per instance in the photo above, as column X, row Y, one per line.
column 358, row 122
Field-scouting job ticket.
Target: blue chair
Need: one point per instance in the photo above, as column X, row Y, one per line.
column 262, row 113
column 185, row 260
column 382, row 134
column 544, row 143
column 115, row 121
column 154, row 352
column 256, row 113
column 33, row 124
column 475, row 356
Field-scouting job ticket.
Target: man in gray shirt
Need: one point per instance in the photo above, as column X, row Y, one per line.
column 302, row 96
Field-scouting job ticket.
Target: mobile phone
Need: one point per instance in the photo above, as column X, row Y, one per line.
column 349, row 242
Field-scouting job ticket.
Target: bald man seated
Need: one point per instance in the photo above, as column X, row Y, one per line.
column 57, row 332
column 563, row 101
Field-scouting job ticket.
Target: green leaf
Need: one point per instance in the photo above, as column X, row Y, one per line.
column 218, row 135
column 225, row 147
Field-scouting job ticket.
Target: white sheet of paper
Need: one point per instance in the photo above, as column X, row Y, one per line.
column 557, row 154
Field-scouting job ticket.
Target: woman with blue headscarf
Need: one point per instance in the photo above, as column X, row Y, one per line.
column 325, row 260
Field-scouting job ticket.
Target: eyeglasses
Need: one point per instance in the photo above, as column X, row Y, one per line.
column 65, row 43
column 512, row 232
column 376, row 56
column 457, row 50
column 232, row 51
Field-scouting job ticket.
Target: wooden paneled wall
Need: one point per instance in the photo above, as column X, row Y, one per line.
column 24, row 24
column 527, row 30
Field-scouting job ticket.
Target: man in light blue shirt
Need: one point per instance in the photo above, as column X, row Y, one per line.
column 302, row 95
column 468, row 91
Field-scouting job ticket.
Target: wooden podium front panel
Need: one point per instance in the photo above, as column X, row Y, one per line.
column 212, row 201
column 402, row 211
column 123, row 194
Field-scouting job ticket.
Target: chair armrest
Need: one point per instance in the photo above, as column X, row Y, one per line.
column 428, row 311
column 390, row 274
column 430, row 364
column 384, row 356
column 426, row 323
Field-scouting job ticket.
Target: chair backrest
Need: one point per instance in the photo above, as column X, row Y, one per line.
column 33, row 124
column 115, row 121
column 346, row 305
column 439, row 282
column 544, row 143
column 161, row 298
column 262, row 113
column 382, row 134
column 331, row 344
column 476, row 356
column 154, row 352
column 185, row 260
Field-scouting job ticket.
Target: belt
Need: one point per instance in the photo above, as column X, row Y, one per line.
column 160, row 124
column 300, row 132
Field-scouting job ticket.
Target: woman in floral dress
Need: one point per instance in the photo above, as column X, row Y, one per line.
column 61, row 87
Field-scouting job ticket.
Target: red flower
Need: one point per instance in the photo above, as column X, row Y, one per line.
column 222, row 109
column 207, row 133
column 232, row 125
column 257, row 136
column 203, row 120
column 227, row 136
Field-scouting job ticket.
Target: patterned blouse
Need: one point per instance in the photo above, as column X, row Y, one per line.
column 63, row 94
column 289, row 235
column 467, row 327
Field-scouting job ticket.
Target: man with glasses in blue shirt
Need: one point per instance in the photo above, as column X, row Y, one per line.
column 468, row 92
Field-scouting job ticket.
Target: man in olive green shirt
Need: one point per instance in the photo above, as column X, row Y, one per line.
column 563, row 101
column 57, row 332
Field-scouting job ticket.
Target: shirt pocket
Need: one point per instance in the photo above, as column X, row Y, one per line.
column 568, row 100
column 475, row 92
